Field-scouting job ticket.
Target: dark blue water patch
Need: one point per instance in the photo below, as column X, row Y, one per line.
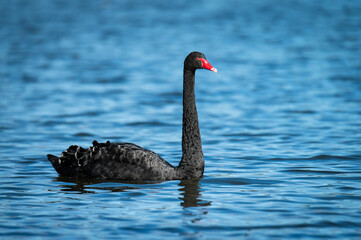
column 149, row 124
column 319, row 157
column 29, row 78
column 348, row 188
column 115, row 138
column 355, row 79
column 319, row 224
column 83, row 134
column 300, row 111
column 305, row 171
column 81, row 114
column 112, row 80
column 239, row 181
column 248, row 134
column 57, row 123
column 24, row 233
column 177, row 94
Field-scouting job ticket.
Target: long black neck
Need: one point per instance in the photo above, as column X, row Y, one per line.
column 192, row 163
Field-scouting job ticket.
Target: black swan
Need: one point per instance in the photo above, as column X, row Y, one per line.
column 127, row 161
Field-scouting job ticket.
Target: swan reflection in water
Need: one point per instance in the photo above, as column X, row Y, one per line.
column 189, row 190
column 78, row 186
column 190, row 194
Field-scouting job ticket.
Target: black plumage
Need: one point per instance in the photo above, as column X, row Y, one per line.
column 127, row 161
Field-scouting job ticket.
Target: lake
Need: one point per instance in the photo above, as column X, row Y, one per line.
column 280, row 121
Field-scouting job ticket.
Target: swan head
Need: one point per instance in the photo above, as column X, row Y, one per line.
column 197, row 60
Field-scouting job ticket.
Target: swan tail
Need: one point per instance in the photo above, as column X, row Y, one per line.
column 75, row 161
column 100, row 160
column 67, row 164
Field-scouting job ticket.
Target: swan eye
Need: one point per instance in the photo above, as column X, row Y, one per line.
column 207, row 65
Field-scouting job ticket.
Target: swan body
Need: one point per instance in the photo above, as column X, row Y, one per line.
column 127, row 161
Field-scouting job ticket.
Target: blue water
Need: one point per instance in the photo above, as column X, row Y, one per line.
column 280, row 121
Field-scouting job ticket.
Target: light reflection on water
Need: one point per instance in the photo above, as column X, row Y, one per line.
column 280, row 121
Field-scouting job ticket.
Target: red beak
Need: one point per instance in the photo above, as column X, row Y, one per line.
column 207, row 65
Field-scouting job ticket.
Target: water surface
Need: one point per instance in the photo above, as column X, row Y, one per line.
column 280, row 121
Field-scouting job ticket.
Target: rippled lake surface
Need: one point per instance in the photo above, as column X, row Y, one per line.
column 280, row 121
